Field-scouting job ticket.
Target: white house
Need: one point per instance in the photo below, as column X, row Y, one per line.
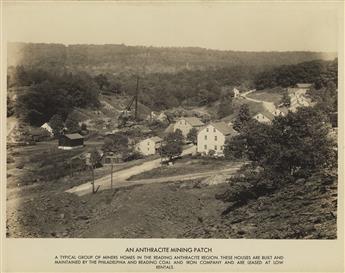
column 298, row 96
column 236, row 92
column 277, row 112
column 185, row 124
column 262, row 118
column 47, row 127
column 157, row 116
column 212, row 138
column 149, row 146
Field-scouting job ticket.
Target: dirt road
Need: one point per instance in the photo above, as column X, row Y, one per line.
column 122, row 176
column 121, row 183
column 268, row 105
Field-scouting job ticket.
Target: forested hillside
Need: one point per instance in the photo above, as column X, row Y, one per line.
column 316, row 72
column 63, row 90
column 96, row 59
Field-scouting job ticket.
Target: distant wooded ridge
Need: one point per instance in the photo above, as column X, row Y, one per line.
column 112, row 58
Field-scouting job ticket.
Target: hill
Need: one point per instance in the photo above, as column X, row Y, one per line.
column 96, row 59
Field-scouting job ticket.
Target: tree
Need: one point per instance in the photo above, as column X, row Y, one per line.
column 173, row 146
column 95, row 158
column 117, row 142
column 235, row 148
column 56, row 123
column 102, row 81
column 225, row 108
column 10, row 107
column 242, row 117
column 72, row 124
column 285, row 100
column 192, row 135
column 293, row 145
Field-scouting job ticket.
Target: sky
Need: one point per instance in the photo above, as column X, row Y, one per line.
column 225, row 26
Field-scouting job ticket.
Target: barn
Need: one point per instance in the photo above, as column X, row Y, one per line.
column 71, row 141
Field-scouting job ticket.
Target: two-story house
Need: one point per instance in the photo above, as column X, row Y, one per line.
column 213, row 136
column 185, row 124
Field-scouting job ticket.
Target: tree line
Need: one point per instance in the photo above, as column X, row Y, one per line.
column 318, row 72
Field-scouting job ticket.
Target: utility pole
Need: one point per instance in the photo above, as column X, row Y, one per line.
column 111, row 176
column 136, row 100
column 93, row 181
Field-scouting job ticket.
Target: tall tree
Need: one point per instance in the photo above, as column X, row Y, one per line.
column 242, row 117
column 173, row 145
column 285, row 100
column 192, row 135
column 57, row 124
column 72, row 124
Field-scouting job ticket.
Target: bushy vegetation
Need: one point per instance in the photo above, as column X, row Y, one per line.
column 173, row 145
column 320, row 73
column 97, row 59
column 50, row 94
column 293, row 147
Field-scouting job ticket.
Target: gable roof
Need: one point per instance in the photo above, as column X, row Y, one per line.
column 169, row 129
column 74, row 136
column 303, row 85
column 45, row 125
column 156, row 139
column 223, row 128
column 269, row 117
column 195, row 122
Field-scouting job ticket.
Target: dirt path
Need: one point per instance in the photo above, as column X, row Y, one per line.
column 121, row 183
column 269, row 106
column 122, row 176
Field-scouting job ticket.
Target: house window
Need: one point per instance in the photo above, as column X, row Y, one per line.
column 148, row 143
column 221, row 147
column 205, row 147
column 205, row 137
column 214, row 130
column 206, row 129
column 215, row 138
column 215, row 147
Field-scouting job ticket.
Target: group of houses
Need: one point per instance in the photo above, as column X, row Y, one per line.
column 298, row 96
column 210, row 137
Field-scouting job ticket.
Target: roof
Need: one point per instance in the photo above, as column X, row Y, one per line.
column 169, row 129
column 193, row 121
column 223, row 128
column 45, row 125
column 304, row 85
column 266, row 115
column 74, row 136
column 156, row 139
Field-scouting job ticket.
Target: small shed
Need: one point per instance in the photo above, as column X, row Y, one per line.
column 71, row 141
column 149, row 146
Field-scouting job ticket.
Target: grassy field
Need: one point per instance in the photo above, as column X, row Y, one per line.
column 271, row 95
column 184, row 166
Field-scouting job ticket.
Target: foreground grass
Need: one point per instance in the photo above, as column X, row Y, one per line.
column 184, row 166
column 271, row 95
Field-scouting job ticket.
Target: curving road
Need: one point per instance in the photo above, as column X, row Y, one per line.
column 267, row 104
column 122, row 176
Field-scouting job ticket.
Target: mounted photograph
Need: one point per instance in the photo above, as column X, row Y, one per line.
column 193, row 121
